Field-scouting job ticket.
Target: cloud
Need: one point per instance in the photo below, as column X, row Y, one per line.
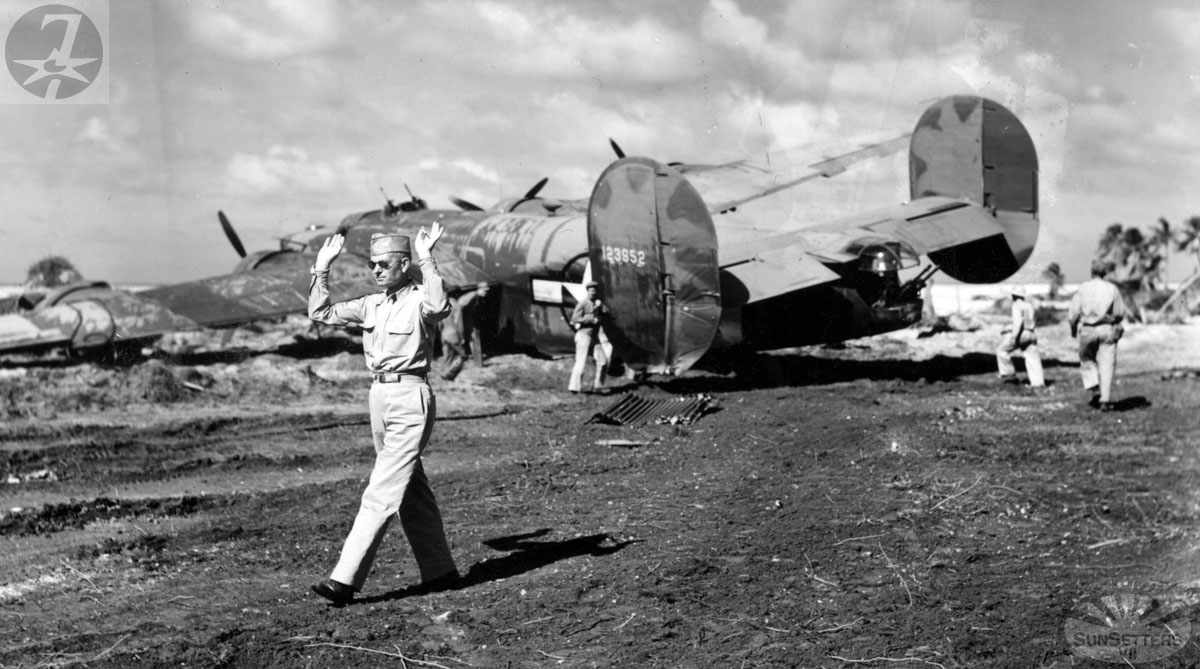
column 273, row 29
column 288, row 168
column 1180, row 23
column 556, row 42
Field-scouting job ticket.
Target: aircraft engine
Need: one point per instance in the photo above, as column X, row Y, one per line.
column 975, row 149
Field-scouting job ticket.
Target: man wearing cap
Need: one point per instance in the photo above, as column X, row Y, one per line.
column 586, row 319
column 1095, row 316
column 1020, row 336
column 397, row 324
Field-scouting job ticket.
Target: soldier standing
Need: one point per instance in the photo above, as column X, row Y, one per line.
column 1020, row 336
column 586, row 319
column 458, row 328
column 397, row 325
column 454, row 354
column 1095, row 315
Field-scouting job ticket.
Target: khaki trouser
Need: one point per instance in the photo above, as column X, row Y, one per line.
column 402, row 416
column 1098, row 357
column 1033, row 359
column 587, row 342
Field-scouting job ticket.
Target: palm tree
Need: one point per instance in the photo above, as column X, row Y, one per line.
column 1189, row 237
column 51, row 272
column 1054, row 275
column 1110, row 242
column 1162, row 236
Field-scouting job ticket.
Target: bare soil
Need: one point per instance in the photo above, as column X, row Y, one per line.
column 882, row 503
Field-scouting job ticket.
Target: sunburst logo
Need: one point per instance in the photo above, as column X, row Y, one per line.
column 54, row 52
column 1128, row 629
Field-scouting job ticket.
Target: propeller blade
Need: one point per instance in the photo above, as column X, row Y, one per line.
column 464, row 205
column 231, row 235
column 613, row 143
column 536, row 189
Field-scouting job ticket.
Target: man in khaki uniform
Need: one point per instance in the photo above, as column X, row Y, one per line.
column 397, row 325
column 586, row 319
column 1095, row 316
column 458, row 328
column 1020, row 336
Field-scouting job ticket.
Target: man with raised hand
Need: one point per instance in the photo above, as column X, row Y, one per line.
column 397, row 324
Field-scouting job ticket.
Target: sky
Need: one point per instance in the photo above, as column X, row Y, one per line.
column 286, row 114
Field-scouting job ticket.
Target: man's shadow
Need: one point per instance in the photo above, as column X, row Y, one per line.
column 1131, row 403
column 523, row 556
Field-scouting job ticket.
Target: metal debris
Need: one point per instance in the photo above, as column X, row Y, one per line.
column 632, row 409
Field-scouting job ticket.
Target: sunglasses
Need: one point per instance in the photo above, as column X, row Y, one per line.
column 382, row 264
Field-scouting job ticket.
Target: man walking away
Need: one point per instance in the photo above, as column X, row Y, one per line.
column 1020, row 336
column 1095, row 316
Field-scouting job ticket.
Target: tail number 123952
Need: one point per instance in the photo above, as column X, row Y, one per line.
column 630, row 256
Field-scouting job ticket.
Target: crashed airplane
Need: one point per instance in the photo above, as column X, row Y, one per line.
column 649, row 235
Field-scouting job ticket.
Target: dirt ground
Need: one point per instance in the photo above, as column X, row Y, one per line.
column 884, row 503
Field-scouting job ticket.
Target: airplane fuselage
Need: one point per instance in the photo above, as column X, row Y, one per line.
column 538, row 262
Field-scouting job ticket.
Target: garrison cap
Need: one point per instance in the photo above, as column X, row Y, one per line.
column 592, row 284
column 381, row 244
column 1017, row 290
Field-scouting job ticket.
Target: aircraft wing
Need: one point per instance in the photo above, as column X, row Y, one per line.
column 785, row 262
column 95, row 314
column 90, row 315
column 726, row 186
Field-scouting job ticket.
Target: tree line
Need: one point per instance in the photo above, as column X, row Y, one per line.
column 1140, row 259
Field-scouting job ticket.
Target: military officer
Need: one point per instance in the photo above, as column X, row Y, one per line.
column 1095, row 316
column 397, row 324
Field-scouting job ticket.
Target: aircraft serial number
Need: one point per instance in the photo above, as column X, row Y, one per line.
column 631, row 256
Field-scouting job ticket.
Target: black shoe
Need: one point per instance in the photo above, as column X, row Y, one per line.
column 1094, row 402
column 450, row 581
column 1010, row 380
column 338, row 593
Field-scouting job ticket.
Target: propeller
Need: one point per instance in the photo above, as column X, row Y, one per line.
column 531, row 194
column 465, row 205
column 537, row 188
column 613, row 144
column 231, row 235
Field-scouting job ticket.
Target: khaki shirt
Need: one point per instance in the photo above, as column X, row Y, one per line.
column 1097, row 302
column 396, row 327
column 587, row 315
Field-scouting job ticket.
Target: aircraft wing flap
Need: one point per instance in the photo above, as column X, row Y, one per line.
column 778, row 271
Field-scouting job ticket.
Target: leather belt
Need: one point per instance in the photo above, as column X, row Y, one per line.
column 397, row 377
